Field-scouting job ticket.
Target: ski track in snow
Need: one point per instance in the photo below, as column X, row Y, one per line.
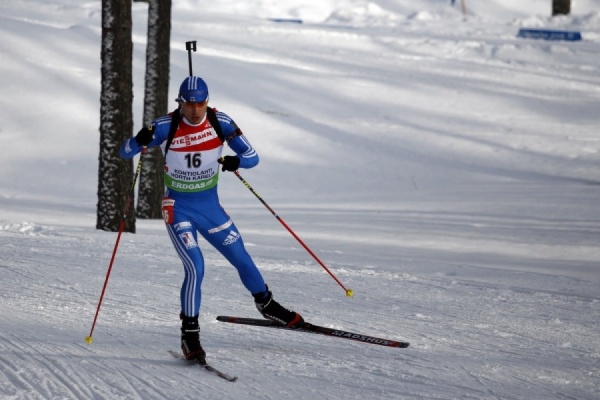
column 467, row 339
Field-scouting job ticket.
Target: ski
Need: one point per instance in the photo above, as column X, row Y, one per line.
column 206, row 366
column 311, row 328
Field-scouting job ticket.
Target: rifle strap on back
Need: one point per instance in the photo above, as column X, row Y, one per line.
column 214, row 121
column 176, row 117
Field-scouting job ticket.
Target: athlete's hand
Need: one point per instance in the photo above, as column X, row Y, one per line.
column 145, row 136
column 230, row 163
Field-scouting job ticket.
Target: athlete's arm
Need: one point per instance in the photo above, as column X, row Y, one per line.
column 238, row 142
column 130, row 147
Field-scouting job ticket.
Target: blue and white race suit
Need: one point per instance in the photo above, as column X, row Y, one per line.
column 191, row 202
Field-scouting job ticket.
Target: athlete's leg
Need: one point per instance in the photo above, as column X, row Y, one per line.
column 223, row 235
column 183, row 235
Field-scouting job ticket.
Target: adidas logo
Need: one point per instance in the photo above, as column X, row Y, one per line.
column 231, row 238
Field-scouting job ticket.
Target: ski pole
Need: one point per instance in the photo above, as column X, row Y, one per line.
column 349, row 292
column 88, row 338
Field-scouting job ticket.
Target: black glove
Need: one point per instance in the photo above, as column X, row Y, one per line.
column 230, row 163
column 145, row 136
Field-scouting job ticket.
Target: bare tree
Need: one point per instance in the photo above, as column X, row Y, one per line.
column 116, row 117
column 561, row 7
column 156, row 94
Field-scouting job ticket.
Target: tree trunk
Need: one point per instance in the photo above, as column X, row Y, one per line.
column 116, row 117
column 156, row 93
column 561, row 7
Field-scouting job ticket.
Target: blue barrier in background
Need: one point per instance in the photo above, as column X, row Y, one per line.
column 549, row 34
column 288, row 20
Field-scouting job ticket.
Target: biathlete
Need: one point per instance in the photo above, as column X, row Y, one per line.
column 192, row 139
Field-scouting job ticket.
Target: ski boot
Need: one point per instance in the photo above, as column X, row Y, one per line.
column 272, row 310
column 190, row 339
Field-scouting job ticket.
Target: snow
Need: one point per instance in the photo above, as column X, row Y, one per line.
column 445, row 170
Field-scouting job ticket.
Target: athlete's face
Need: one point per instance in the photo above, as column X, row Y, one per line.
column 194, row 111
